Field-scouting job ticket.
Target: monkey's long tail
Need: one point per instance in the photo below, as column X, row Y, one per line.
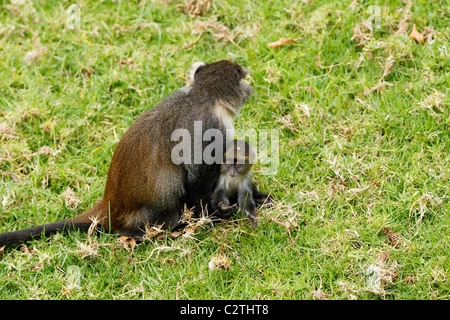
column 81, row 222
column 36, row 233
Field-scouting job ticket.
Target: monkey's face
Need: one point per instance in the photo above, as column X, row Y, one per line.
column 238, row 159
column 223, row 79
column 236, row 169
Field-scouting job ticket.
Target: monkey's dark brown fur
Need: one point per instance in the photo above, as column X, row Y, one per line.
column 144, row 187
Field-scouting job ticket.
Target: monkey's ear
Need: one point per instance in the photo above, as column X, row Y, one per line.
column 194, row 69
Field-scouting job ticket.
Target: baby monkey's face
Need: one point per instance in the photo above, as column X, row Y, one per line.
column 235, row 169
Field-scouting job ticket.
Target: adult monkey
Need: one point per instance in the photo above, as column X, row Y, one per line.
column 144, row 185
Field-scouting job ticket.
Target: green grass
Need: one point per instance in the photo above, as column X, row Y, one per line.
column 363, row 185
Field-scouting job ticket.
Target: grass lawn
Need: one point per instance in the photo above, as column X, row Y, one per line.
column 362, row 187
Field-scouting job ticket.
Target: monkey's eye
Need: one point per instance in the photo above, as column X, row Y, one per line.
column 241, row 72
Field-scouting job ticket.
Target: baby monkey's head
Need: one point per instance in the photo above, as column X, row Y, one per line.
column 238, row 159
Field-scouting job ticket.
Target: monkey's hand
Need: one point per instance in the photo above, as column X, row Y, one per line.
column 226, row 211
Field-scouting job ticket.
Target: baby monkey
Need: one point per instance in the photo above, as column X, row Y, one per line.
column 235, row 187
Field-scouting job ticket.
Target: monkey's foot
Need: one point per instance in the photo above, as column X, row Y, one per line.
column 254, row 220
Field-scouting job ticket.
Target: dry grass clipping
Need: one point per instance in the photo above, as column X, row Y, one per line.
column 153, row 231
column 194, row 223
column 34, row 55
column 286, row 123
column 196, row 7
column 220, row 32
column 381, row 273
column 320, row 295
column 403, row 25
column 425, row 204
column 434, row 101
column 394, row 238
column 219, row 262
column 70, row 198
column 388, row 66
column 285, row 215
column 91, row 249
column 362, row 33
column 7, row 132
column 45, row 150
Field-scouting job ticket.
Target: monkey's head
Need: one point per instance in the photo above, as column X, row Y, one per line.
column 222, row 79
column 238, row 158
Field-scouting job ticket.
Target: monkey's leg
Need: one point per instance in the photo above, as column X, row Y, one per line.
column 247, row 205
column 261, row 197
column 221, row 204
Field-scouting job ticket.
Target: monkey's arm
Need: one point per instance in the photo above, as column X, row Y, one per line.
column 220, row 204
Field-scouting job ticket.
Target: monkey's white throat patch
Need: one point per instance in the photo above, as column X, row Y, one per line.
column 226, row 114
column 231, row 184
